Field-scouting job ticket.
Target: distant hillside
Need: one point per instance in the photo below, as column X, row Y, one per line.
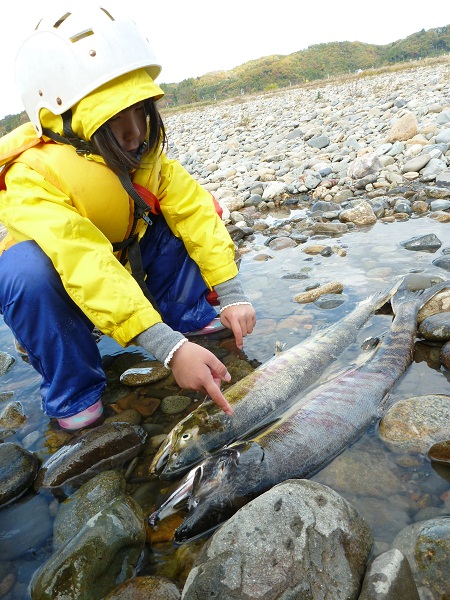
column 319, row 61
column 316, row 62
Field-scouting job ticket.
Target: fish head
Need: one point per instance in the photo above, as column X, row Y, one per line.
column 189, row 442
column 176, row 500
column 222, row 484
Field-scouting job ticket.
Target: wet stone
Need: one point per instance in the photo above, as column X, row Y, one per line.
column 18, row 469
column 281, row 243
column 413, row 425
column 130, row 416
column 328, row 301
column 444, row 356
column 436, row 328
column 295, row 276
column 172, row 405
column 423, row 243
column 440, row 452
column 145, row 587
column 143, row 375
column 442, row 262
column 313, row 294
column 426, row 546
column 12, row 416
column 86, row 502
column 6, row 362
column 389, row 577
column 109, row 546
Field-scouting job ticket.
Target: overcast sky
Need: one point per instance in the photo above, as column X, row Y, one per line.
column 194, row 37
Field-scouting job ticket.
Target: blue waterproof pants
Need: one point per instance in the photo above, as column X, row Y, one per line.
column 58, row 336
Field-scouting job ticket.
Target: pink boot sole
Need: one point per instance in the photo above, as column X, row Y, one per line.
column 84, row 418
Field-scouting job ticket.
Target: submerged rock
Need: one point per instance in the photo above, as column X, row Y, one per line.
column 106, row 551
column 414, row 424
column 143, row 588
column 18, row 469
column 426, row 545
column 6, row 362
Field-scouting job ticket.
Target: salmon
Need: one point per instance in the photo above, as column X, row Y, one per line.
column 326, row 421
column 262, row 394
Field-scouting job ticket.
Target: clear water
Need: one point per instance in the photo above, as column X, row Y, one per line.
column 373, row 258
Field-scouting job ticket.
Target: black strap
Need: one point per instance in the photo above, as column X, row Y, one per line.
column 137, row 269
column 69, row 137
column 141, row 207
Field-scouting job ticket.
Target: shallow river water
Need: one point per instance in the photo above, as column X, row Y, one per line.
column 373, row 258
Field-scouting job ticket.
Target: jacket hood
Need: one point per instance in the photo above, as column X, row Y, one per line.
column 100, row 105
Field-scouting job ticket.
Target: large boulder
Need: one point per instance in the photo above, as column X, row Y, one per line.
column 298, row 540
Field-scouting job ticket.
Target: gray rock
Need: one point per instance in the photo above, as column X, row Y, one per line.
column 6, row 362
column 440, row 205
column 172, row 405
column 413, row 425
column 389, row 577
column 321, row 141
column 422, row 243
column 144, row 588
column 298, row 540
column 436, row 328
column 426, row 545
column 18, row 469
column 365, row 165
column 417, row 163
column 86, row 502
column 443, row 178
column 442, row 262
column 443, row 137
column 108, row 546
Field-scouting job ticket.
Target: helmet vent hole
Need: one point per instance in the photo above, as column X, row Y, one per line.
column 61, row 20
column 81, row 35
column 108, row 14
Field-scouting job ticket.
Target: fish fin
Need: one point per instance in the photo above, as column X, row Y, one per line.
column 279, row 347
column 404, row 294
column 372, row 342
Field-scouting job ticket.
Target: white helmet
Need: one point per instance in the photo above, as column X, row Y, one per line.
column 75, row 52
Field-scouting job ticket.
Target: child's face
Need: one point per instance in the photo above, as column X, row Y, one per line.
column 129, row 127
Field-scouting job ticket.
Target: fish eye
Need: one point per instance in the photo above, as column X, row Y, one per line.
column 185, row 436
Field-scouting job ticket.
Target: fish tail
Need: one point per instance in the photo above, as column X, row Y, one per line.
column 404, row 294
column 380, row 298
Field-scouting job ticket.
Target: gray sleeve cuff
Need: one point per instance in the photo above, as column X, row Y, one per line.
column 161, row 341
column 231, row 292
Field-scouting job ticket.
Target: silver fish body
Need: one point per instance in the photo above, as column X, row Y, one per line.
column 309, row 436
column 263, row 393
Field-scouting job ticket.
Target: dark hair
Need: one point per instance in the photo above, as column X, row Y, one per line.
column 117, row 159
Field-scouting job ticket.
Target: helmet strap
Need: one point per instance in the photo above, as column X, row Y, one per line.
column 82, row 146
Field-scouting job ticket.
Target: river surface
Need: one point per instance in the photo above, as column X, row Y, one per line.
column 373, row 258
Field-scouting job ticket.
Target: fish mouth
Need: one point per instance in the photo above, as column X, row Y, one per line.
column 161, row 458
column 177, row 500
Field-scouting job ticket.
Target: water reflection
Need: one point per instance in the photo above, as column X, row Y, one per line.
column 373, row 258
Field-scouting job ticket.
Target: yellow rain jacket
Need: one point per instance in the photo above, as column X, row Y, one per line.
column 75, row 207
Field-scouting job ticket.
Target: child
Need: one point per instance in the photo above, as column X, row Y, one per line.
column 93, row 207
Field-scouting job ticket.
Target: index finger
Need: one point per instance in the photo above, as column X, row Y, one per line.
column 213, row 391
column 237, row 332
